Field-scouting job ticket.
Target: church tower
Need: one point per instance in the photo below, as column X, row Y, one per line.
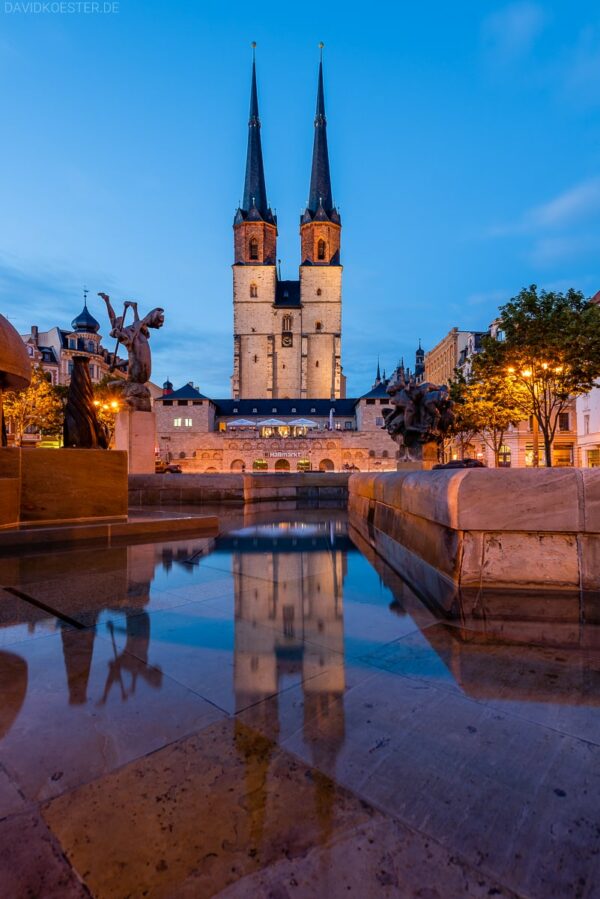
column 287, row 334
column 321, row 272
column 254, row 272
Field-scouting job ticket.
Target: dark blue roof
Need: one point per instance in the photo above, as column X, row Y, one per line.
column 85, row 321
column 289, row 407
column 187, row 392
column 379, row 391
column 287, row 293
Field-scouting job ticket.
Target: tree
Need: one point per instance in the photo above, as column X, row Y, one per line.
column 465, row 426
column 550, row 352
column 39, row 407
column 493, row 402
column 107, row 403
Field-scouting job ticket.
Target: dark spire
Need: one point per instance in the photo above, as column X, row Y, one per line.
column 378, row 375
column 255, row 193
column 320, row 197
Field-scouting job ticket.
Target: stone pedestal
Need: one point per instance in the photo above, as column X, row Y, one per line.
column 421, row 458
column 135, row 432
column 60, row 486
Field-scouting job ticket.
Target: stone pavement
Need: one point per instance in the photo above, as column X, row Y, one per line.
column 186, row 735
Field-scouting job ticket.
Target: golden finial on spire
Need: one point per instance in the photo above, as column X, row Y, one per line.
column 253, row 45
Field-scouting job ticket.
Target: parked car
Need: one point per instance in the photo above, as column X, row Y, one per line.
column 161, row 467
column 461, row 463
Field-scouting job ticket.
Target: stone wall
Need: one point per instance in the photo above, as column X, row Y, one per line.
column 236, row 489
column 475, row 529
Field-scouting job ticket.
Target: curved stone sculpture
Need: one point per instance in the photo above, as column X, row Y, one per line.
column 81, row 426
column 420, row 414
column 15, row 366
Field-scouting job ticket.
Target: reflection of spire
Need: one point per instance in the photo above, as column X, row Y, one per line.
column 14, row 678
column 256, row 751
column 78, row 649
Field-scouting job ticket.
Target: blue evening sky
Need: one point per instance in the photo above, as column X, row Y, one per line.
column 464, row 141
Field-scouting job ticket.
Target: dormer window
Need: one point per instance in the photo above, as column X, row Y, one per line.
column 253, row 248
column 321, row 249
column 286, row 323
column 253, row 290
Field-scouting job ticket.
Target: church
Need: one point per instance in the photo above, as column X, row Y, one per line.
column 287, row 334
column 288, row 408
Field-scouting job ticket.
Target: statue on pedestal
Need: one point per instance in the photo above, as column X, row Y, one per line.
column 81, row 427
column 420, row 416
column 135, row 339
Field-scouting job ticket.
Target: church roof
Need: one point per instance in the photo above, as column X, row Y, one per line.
column 287, row 293
column 320, row 197
column 254, row 203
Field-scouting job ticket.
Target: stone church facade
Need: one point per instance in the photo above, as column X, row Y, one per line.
column 287, row 334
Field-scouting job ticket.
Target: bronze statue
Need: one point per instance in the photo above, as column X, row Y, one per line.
column 421, row 414
column 81, row 427
column 135, row 339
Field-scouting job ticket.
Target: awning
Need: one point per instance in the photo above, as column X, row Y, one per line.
column 304, row 423
column 272, row 423
column 241, row 423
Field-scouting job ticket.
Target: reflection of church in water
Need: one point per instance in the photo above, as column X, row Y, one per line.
column 289, row 614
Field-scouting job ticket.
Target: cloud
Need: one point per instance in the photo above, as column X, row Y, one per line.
column 564, row 248
column 511, row 33
column 571, row 207
column 487, row 298
column 581, row 73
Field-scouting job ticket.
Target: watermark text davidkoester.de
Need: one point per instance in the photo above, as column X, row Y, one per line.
column 62, row 7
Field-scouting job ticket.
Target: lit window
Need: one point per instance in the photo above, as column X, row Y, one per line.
column 321, row 249
column 176, row 422
column 253, row 248
column 253, row 290
column 187, row 422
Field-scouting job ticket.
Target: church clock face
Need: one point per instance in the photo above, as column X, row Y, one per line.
column 286, row 340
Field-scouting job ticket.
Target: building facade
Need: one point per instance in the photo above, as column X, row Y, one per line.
column 287, row 334
column 54, row 349
column 208, row 435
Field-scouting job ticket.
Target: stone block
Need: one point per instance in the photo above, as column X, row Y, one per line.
column 135, row 433
column 520, row 499
column 10, row 495
column 518, row 559
column 72, row 485
column 591, row 498
column 589, row 548
column 433, row 495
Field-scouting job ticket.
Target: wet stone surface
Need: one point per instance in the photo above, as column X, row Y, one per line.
column 275, row 713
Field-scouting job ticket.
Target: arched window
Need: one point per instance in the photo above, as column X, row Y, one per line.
column 286, row 323
column 256, row 358
column 317, row 364
column 253, row 248
column 253, row 290
column 319, row 291
column 321, row 249
column 318, row 326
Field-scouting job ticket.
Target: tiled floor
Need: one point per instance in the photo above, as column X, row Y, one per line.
column 275, row 714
